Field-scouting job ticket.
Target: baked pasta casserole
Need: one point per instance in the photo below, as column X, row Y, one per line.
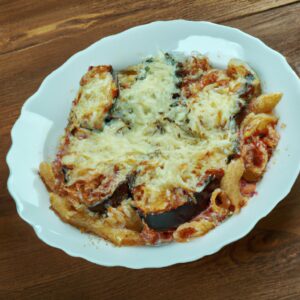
column 164, row 150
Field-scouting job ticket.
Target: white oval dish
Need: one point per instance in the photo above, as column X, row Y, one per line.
column 44, row 115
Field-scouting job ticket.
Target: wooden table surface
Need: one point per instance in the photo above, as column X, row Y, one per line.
column 36, row 37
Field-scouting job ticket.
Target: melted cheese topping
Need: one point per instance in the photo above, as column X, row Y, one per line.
column 213, row 110
column 94, row 99
column 150, row 96
column 169, row 143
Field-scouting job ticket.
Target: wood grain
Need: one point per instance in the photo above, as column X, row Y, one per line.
column 26, row 25
column 38, row 36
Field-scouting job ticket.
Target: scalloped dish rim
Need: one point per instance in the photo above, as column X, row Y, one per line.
column 155, row 258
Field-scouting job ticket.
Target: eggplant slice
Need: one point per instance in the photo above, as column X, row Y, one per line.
column 164, row 221
column 121, row 193
column 171, row 219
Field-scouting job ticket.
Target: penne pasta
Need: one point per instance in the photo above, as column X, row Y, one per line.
column 256, row 123
column 220, row 203
column 255, row 157
column 192, row 230
column 46, row 173
column 91, row 223
column 248, row 83
column 230, row 183
column 265, row 103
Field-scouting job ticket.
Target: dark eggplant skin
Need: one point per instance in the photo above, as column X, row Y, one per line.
column 170, row 220
column 121, row 193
